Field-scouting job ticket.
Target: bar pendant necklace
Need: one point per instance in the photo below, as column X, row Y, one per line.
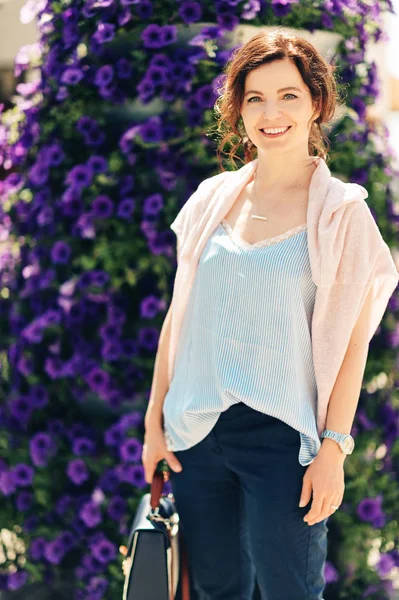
column 260, row 217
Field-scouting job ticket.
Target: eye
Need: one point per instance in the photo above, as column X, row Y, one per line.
column 253, row 97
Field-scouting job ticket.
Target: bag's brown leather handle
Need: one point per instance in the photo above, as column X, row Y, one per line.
column 157, row 485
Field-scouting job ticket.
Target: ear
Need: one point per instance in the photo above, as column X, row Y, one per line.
column 318, row 112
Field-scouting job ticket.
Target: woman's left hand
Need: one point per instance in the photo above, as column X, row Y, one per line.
column 325, row 479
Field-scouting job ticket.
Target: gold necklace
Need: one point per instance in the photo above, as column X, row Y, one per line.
column 254, row 204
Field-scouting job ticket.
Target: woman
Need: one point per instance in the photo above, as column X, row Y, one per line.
column 238, row 404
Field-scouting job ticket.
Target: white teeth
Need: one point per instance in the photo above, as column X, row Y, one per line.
column 275, row 130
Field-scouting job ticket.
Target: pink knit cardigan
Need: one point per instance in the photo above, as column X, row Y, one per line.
column 348, row 256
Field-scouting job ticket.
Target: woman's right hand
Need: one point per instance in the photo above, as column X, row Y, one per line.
column 154, row 450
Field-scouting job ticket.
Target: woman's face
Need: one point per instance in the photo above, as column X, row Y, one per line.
column 268, row 105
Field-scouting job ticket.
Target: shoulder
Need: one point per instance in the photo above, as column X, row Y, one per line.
column 342, row 193
column 351, row 238
column 210, row 184
column 195, row 205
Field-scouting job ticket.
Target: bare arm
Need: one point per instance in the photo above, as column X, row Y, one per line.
column 160, row 385
column 154, row 447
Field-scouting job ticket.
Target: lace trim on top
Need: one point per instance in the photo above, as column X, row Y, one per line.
column 268, row 241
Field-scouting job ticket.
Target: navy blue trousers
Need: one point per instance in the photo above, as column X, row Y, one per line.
column 237, row 497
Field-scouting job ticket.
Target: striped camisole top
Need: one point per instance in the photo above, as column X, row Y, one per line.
column 246, row 337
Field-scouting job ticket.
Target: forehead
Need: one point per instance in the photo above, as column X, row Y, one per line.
column 275, row 75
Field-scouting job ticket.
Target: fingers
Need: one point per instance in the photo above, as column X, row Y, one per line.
column 306, row 491
column 150, row 463
column 173, row 463
column 316, row 514
column 149, row 471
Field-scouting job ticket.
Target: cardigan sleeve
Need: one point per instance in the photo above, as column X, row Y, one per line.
column 180, row 224
column 191, row 209
column 358, row 261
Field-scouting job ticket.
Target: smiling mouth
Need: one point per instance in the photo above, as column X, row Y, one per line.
column 273, row 135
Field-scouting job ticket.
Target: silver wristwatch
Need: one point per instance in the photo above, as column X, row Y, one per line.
column 344, row 440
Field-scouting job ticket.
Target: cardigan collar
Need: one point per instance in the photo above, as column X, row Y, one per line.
column 326, row 195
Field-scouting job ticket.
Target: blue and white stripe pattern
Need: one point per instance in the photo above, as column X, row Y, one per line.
column 246, row 336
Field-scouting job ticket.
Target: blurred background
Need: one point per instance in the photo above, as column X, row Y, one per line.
column 14, row 35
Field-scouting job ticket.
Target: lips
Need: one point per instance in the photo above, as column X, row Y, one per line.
column 275, row 135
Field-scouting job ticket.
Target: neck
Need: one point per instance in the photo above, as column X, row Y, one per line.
column 275, row 173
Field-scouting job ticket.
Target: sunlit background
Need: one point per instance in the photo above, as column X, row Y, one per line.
column 14, row 35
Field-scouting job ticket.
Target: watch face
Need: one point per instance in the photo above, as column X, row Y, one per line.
column 348, row 444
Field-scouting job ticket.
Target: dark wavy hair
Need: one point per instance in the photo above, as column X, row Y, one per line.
column 265, row 47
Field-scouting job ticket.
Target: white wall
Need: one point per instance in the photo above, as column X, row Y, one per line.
column 13, row 34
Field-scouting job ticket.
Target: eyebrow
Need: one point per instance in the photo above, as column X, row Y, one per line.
column 291, row 87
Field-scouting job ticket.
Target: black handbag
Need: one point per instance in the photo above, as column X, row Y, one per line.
column 155, row 556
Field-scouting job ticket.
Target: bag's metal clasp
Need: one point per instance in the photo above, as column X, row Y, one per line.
column 171, row 522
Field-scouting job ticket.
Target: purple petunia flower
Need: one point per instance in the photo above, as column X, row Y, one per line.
column 148, row 338
column 385, row 564
column 104, row 75
column 60, row 252
column 125, row 208
column 97, row 163
column 25, row 365
column 105, row 33
column 109, row 481
column 54, row 552
column 67, row 539
column 23, row 474
column 124, row 68
column 113, row 436
column 24, row 501
column 151, row 131
column 131, row 420
column 41, row 448
column 72, row 75
column 90, row 513
column 156, row 36
column 36, row 548
column 98, row 379
column 21, row 408
column 370, row 510
column 190, row 12
column 133, row 474
column 153, row 205
column 83, row 445
column 77, row 471
column 54, row 154
column 63, row 504
column 104, row 551
column 131, row 450
column 54, row 367
column 117, row 508
column 111, row 351
column 39, row 396
column 79, row 176
column 16, row 580
column 102, row 207
column 150, row 307
column 97, row 586
column 31, row 523
column 7, row 483
column 330, row 572
column 129, row 348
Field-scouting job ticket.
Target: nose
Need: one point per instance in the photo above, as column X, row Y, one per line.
column 271, row 112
